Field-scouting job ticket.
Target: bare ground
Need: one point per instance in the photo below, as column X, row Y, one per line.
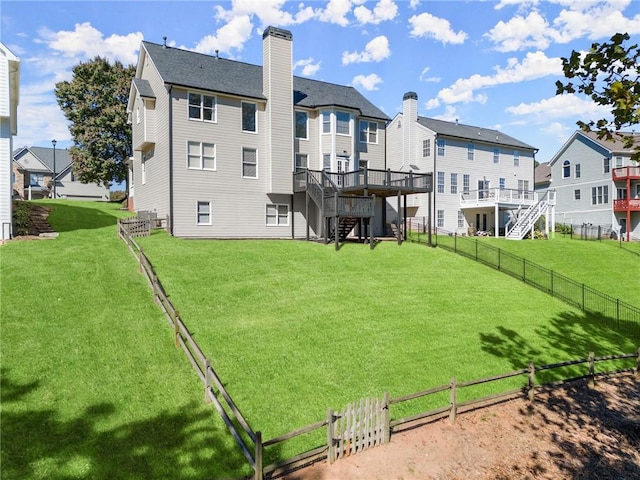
column 569, row 432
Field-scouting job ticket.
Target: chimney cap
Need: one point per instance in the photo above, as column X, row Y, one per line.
column 277, row 32
column 410, row 96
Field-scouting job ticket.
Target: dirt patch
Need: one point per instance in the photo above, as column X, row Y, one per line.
column 569, row 432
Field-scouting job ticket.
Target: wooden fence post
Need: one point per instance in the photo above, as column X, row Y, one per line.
column 176, row 329
column 452, row 400
column 387, row 416
column 258, row 457
column 156, row 297
column 140, row 260
column 591, row 382
column 207, row 379
column 331, row 452
column 532, row 381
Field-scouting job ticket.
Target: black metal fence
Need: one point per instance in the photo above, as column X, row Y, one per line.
column 623, row 316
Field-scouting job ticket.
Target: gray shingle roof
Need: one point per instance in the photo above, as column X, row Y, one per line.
column 144, row 88
column 196, row 70
column 45, row 155
column 469, row 132
column 542, row 173
column 615, row 145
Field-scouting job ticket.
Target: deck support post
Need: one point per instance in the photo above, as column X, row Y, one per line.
column 399, row 219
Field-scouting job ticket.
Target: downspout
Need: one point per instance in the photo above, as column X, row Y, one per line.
column 171, row 217
column 434, row 181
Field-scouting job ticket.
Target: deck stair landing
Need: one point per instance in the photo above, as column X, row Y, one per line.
column 526, row 220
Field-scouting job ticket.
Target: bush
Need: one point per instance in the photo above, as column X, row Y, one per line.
column 562, row 228
column 21, row 218
column 117, row 196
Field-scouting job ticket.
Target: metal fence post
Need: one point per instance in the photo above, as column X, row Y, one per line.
column 452, row 400
column 258, row 457
column 331, row 452
column 638, row 366
column 532, row 381
column 591, row 381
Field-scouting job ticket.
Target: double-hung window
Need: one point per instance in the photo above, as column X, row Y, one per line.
column 302, row 119
column 470, row 151
column 249, row 117
column 460, row 219
column 202, row 107
column 440, row 219
column 368, row 132
column 600, row 195
column 606, row 164
column 277, row 215
column 577, row 167
column 516, row 158
column 441, row 147
column 326, row 121
column 576, row 194
column 496, row 155
column 302, row 161
column 454, row 183
column 343, row 123
column 503, row 183
column 201, row 156
column 249, row 163
column 466, row 182
column 440, row 182
column 203, row 213
column 426, row 147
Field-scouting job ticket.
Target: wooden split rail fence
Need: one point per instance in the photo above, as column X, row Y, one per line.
column 358, row 426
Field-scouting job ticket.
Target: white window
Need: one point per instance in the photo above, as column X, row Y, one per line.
column 523, row 185
column 201, row 156
column 440, row 182
column 496, row 155
column 503, row 183
column 143, row 170
column 326, row 162
column 440, row 219
column 600, row 195
column 249, row 163
column 426, row 148
column 618, row 162
column 343, row 123
column 566, row 169
column 577, row 167
column 576, row 194
column 202, row 107
column 470, row 150
column 460, row 219
column 516, row 158
column 326, row 121
column 277, row 215
column 302, row 162
column 441, row 147
column 368, row 132
column 302, row 120
column 249, row 117
column 606, row 164
column 466, row 182
column 454, row 183
column 204, row 213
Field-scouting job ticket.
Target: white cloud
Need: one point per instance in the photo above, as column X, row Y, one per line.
column 424, row 78
column 231, row 36
column 426, row 25
column 560, row 106
column 534, row 65
column 335, row 12
column 520, row 33
column 383, row 11
column 449, row 115
column 86, row 42
column 432, row 103
column 375, row 51
column 368, row 82
column 38, row 112
column 269, row 12
column 309, row 69
column 413, row 4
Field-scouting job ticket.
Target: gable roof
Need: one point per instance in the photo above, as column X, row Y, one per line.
column 615, row 145
column 196, row 70
column 542, row 173
column 611, row 147
column 45, row 156
column 144, row 88
column 470, row 132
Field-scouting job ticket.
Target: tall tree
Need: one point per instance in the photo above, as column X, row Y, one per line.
column 95, row 102
column 609, row 74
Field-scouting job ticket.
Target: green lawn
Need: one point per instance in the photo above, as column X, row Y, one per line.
column 294, row 328
column 92, row 387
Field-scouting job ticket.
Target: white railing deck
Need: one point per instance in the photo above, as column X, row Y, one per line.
column 492, row 196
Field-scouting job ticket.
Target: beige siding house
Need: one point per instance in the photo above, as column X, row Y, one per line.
column 217, row 144
column 483, row 178
column 9, row 95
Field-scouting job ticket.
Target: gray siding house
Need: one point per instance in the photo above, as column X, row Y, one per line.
column 217, row 144
column 33, row 173
column 9, row 96
column 483, row 178
column 597, row 183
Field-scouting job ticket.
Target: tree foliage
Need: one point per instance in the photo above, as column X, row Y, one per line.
column 95, row 102
column 610, row 75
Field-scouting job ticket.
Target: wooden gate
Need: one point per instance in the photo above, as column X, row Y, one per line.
column 357, row 427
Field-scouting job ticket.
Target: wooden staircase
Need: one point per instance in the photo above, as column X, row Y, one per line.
column 345, row 225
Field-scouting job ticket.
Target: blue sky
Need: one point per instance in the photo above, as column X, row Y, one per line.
column 487, row 63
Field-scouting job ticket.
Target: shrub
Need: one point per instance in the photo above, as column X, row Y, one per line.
column 117, row 196
column 21, row 218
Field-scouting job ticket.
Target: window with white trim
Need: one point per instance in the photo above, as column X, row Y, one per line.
column 368, row 132
column 600, row 195
column 426, row 147
column 440, row 182
column 302, row 122
column 566, row 169
column 440, row 219
column 516, row 158
column 470, row 151
column 441, row 147
column 503, row 183
column 249, row 163
column 143, row 169
column 466, row 182
column 277, row 215
column 618, row 162
column 202, row 107
column 326, row 162
column 201, row 156
column 460, row 219
column 577, row 170
column 326, row 121
column 606, row 165
column 454, row 183
column 343, row 123
column 576, row 194
column 496, row 155
column 302, row 161
column 249, row 117
column 203, row 213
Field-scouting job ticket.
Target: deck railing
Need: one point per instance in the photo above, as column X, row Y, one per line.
column 349, row 206
column 490, row 196
column 622, row 173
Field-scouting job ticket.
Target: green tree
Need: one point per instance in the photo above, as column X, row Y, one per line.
column 95, row 102
column 609, row 74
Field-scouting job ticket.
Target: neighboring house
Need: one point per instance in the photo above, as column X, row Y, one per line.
column 483, row 178
column 542, row 178
column 9, row 96
column 33, row 172
column 597, row 183
column 232, row 150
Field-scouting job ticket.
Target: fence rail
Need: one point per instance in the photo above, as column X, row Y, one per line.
column 358, row 426
column 624, row 316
